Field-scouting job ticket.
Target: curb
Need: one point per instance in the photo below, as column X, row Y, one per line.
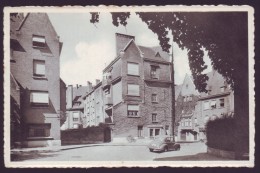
column 70, row 148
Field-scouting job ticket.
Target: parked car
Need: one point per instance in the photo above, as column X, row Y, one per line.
column 163, row 143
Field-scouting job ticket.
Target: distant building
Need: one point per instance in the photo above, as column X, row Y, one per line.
column 186, row 99
column 137, row 91
column 193, row 109
column 218, row 101
column 74, row 106
column 93, row 105
column 35, row 78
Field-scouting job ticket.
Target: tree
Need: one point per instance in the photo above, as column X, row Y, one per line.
column 223, row 34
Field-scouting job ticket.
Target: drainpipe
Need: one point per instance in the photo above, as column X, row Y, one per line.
column 173, row 93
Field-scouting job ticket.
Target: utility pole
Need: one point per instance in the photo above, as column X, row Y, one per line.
column 173, row 93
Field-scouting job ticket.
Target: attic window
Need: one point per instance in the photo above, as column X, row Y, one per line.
column 38, row 41
column 157, row 54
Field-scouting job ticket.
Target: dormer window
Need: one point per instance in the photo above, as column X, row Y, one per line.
column 154, row 72
column 38, row 41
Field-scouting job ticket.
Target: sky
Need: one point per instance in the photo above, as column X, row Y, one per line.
column 88, row 48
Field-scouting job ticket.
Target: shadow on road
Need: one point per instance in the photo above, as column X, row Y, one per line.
column 30, row 155
column 196, row 157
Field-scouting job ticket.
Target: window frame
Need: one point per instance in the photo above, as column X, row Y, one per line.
column 136, row 112
column 35, row 61
column 154, row 72
column 129, row 94
column 41, row 45
column 39, row 104
column 43, row 127
column 154, row 95
column 220, row 102
column 154, row 118
column 138, row 69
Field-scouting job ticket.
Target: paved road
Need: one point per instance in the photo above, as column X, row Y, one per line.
column 196, row 151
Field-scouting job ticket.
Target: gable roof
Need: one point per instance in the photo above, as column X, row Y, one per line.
column 177, row 90
column 150, row 53
column 214, row 83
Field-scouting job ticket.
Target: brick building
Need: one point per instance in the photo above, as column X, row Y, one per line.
column 35, row 67
column 137, row 91
column 74, row 106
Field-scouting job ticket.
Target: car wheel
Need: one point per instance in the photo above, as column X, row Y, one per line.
column 165, row 149
column 151, row 150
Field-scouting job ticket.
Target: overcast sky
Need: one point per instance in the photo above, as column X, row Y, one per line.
column 88, row 48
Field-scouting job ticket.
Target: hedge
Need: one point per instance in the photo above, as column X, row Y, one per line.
column 220, row 133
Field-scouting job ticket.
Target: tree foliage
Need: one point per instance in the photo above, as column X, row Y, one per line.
column 222, row 34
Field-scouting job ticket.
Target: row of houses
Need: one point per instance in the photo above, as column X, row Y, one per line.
column 37, row 93
column 134, row 97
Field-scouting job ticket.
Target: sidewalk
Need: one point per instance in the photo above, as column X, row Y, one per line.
column 68, row 147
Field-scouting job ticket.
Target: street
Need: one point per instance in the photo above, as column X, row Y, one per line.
column 189, row 151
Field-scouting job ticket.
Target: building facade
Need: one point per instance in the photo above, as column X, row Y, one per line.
column 74, row 107
column 186, row 100
column 137, row 91
column 194, row 110
column 35, row 66
column 218, row 101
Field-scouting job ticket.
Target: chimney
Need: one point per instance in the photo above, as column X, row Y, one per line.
column 121, row 41
column 97, row 81
column 89, row 85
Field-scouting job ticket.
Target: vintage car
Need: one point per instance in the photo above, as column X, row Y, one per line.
column 163, row 143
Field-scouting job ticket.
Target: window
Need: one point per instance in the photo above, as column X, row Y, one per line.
column 167, row 132
column 133, row 89
column 195, row 120
column 206, row 105
column 222, row 102
column 38, row 41
column 75, row 116
column 190, row 123
column 213, row 104
column 39, row 98
column 154, row 118
column 75, row 126
column 154, row 98
column 132, row 68
column 157, row 132
column 39, row 130
column 154, row 72
column 140, row 131
column 39, row 68
column 222, row 89
column 132, row 110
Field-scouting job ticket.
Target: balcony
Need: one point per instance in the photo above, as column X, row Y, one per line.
column 106, row 82
column 108, row 101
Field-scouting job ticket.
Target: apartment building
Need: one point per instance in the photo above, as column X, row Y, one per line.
column 218, row 101
column 137, row 91
column 35, row 72
column 93, row 105
column 194, row 110
column 74, row 107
